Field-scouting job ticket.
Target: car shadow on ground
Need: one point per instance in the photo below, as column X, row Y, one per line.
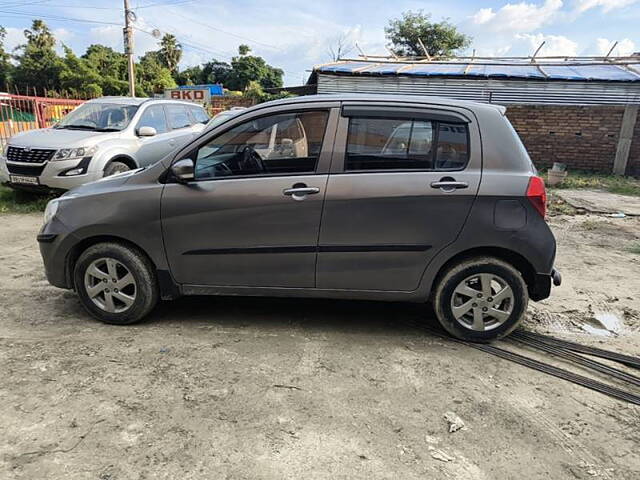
column 318, row 315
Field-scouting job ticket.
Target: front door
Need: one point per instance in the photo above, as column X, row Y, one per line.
column 401, row 191
column 152, row 149
column 252, row 215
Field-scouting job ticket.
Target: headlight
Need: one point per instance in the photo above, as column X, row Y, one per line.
column 50, row 211
column 73, row 153
column 5, row 149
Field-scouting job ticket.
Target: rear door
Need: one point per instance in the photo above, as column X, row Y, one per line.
column 402, row 183
column 180, row 124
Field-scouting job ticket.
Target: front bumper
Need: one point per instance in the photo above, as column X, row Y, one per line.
column 51, row 174
column 55, row 247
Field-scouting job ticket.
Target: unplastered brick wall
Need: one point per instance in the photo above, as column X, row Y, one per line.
column 584, row 138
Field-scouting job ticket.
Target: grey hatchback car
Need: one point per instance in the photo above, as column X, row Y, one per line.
column 349, row 196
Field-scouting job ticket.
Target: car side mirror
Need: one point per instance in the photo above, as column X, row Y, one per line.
column 147, row 131
column 183, row 170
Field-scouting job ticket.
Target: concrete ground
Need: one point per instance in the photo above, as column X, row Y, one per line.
column 270, row 389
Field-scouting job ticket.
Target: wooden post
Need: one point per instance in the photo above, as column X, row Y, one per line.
column 626, row 137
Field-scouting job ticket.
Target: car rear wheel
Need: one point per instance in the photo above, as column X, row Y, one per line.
column 116, row 283
column 481, row 299
column 115, row 167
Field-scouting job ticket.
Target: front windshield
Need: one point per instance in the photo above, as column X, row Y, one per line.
column 103, row 117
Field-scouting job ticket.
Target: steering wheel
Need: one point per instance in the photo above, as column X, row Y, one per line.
column 251, row 160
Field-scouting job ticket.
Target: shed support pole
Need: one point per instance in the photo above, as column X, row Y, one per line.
column 625, row 139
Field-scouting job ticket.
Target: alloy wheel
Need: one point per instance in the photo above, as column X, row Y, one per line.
column 110, row 285
column 482, row 302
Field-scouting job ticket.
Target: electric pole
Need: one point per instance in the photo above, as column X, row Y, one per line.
column 128, row 47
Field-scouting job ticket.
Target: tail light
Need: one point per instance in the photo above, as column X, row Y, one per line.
column 537, row 195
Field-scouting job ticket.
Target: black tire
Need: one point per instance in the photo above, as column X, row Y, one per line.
column 114, row 167
column 140, row 267
column 455, row 275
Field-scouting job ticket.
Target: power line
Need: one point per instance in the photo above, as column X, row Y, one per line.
column 223, row 31
column 168, row 4
column 58, row 18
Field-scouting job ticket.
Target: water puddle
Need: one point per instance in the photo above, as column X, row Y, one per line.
column 604, row 324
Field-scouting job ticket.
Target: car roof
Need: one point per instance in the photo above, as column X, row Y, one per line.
column 385, row 98
column 138, row 100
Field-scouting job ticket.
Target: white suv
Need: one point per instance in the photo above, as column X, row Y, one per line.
column 99, row 138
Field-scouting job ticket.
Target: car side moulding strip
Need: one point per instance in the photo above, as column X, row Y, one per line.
column 310, row 249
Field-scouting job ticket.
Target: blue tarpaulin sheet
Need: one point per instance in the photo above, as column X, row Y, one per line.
column 527, row 70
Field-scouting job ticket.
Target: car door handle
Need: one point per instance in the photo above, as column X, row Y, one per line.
column 448, row 185
column 299, row 191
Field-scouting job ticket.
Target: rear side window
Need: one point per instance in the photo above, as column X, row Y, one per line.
column 405, row 144
column 178, row 116
column 199, row 115
column 154, row 117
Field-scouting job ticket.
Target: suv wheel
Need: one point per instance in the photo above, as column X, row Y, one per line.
column 116, row 283
column 115, row 167
column 481, row 299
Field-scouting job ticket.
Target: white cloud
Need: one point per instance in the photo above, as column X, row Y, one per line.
column 518, row 17
column 555, row 45
column 624, row 48
column 605, row 5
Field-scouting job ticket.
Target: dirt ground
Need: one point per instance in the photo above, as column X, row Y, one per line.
column 222, row 388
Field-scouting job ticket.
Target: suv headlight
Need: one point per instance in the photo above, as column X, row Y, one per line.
column 73, row 153
column 51, row 210
column 5, row 149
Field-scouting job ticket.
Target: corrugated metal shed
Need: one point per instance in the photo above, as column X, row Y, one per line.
column 571, row 82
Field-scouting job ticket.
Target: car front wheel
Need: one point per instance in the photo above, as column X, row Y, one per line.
column 481, row 299
column 115, row 167
column 116, row 283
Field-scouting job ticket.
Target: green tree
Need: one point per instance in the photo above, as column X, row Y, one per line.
column 170, row 52
column 246, row 68
column 244, row 49
column 5, row 63
column 190, row 76
column 111, row 67
column 152, row 76
column 215, row 71
column 39, row 65
column 78, row 78
column 440, row 39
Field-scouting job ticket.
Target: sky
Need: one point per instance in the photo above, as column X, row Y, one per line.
column 295, row 35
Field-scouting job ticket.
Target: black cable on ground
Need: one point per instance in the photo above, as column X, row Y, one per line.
column 587, row 382
column 576, row 347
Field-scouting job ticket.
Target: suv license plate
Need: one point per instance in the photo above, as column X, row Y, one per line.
column 24, row 180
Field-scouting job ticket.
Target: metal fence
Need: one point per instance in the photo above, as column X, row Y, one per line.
column 19, row 113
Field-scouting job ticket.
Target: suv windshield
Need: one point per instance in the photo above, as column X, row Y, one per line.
column 102, row 117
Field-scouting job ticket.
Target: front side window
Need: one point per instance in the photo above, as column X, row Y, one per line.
column 101, row 117
column 405, row 144
column 154, row 117
column 282, row 144
column 178, row 116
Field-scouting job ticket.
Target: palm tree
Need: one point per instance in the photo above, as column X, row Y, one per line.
column 170, row 52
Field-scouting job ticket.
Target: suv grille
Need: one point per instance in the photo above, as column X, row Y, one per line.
column 32, row 155
column 25, row 169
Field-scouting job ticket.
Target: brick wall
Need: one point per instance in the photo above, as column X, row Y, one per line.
column 218, row 104
column 585, row 138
